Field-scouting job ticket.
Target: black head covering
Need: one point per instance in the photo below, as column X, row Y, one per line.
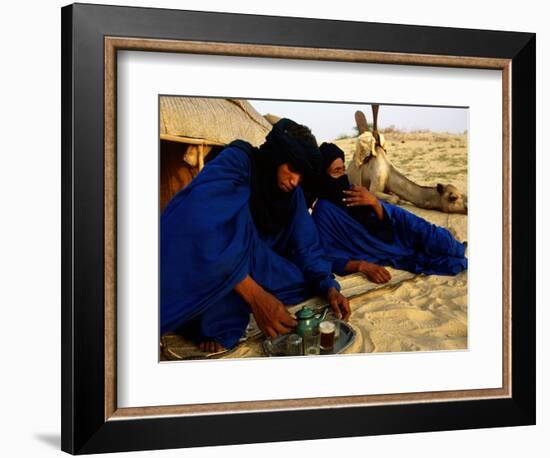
column 329, row 153
column 331, row 189
column 282, row 147
column 270, row 206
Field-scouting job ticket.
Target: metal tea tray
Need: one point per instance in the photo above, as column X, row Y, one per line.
column 276, row 346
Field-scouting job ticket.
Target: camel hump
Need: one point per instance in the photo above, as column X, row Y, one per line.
column 361, row 121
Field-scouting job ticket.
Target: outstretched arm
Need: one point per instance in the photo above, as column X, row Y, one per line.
column 373, row 272
column 307, row 253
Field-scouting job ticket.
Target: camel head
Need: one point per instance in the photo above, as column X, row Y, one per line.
column 451, row 199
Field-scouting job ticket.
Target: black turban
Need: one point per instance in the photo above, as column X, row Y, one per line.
column 329, row 153
column 280, row 147
column 271, row 207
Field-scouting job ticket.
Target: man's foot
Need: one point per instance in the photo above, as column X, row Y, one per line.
column 374, row 272
column 211, row 347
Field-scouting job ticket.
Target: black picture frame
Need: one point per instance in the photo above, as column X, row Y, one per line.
column 85, row 428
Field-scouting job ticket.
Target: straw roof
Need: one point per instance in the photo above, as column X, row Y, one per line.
column 211, row 121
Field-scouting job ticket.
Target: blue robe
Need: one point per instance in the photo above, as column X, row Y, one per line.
column 209, row 243
column 418, row 246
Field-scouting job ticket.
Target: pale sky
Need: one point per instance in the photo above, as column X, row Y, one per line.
column 329, row 120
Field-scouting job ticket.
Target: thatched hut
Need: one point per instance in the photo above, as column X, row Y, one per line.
column 193, row 130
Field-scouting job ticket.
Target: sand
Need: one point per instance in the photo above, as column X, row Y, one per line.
column 411, row 312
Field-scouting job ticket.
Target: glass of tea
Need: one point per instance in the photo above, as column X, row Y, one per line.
column 327, row 329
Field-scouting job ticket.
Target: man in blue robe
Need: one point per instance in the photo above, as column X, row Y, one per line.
column 239, row 240
column 360, row 233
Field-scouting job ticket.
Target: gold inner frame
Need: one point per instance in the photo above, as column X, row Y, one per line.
column 114, row 44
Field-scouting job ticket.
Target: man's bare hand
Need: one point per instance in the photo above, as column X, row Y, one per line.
column 339, row 303
column 271, row 315
column 374, row 272
column 361, row 196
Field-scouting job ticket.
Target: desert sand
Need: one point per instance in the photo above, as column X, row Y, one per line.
column 411, row 312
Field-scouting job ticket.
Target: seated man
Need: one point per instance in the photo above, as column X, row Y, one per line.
column 360, row 233
column 239, row 239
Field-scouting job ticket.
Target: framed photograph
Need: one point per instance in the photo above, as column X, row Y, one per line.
column 285, row 228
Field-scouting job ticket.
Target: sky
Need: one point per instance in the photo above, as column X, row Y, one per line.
column 330, row 120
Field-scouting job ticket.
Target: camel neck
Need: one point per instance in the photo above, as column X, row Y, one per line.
column 421, row 196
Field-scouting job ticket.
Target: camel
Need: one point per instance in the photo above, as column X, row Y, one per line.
column 372, row 169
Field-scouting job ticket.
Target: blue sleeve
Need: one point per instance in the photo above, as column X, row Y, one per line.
column 205, row 239
column 339, row 266
column 306, row 250
column 223, row 178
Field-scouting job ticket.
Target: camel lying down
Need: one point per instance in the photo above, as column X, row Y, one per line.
column 371, row 168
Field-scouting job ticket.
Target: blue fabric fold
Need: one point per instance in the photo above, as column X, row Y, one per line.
column 209, row 243
column 418, row 245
